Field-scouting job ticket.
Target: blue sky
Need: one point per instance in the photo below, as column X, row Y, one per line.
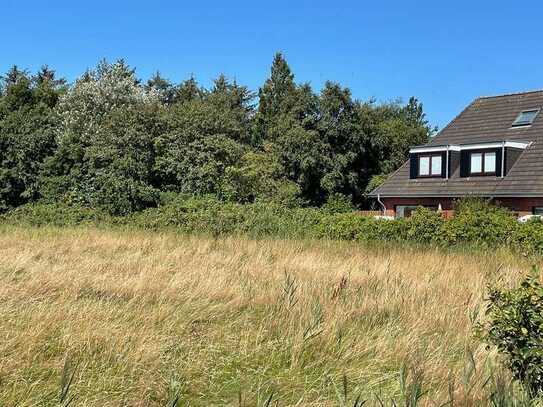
column 444, row 53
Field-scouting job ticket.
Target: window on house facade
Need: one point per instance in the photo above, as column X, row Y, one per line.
column 405, row 211
column 525, row 118
column 483, row 163
column 537, row 210
column 430, row 165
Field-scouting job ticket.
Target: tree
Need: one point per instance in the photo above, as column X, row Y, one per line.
column 258, row 177
column 276, row 97
column 110, row 141
column 391, row 129
column 105, row 142
column 28, row 125
column 188, row 91
column 163, row 87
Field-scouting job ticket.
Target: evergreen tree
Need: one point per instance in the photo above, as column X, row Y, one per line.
column 28, row 126
column 163, row 87
column 277, row 97
column 189, row 90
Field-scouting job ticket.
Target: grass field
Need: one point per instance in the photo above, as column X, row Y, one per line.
column 145, row 318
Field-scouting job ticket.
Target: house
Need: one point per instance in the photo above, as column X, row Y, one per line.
column 493, row 149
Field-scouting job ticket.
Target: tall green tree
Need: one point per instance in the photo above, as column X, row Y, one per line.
column 28, row 126
column 276, row 98
column 164, row 88
column 105, row 142
column 205, row 136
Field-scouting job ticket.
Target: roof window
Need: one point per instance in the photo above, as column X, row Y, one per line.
column 525, row 118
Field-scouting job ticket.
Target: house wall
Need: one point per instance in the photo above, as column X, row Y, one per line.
column 523, row 206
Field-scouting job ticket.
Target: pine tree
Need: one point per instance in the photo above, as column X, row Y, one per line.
column 277, row 97
column 188, row 90
column 163, row 87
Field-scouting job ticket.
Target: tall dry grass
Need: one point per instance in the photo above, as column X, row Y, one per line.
column 144, row 318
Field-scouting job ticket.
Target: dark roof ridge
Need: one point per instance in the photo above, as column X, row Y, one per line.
column 511, row 94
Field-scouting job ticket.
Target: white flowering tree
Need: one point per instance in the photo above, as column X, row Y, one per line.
column 105, row 141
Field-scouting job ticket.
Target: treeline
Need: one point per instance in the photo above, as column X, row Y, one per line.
column 113, row 142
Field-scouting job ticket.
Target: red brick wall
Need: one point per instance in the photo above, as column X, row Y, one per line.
column 390, row 203
column 523, row 206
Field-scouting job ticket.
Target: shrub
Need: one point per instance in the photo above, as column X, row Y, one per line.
column 338, row 203
column 207, row 215
column 528, row 237
column 341, row 226
column 40, row 214
column 380, row 230
column 483, row 227
column 424, row 226
column 479, row 223
column 516, row 327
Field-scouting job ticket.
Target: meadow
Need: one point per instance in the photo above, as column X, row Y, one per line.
column 138, row 318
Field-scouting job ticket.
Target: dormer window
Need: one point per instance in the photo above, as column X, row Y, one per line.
column 430, row 165
column 525, row 118
column 482, row 163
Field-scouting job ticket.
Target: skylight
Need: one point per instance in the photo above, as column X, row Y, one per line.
column 525, row 118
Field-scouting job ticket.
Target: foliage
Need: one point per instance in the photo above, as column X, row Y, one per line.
column 424, row 226
column 375, row 182
column 515, row 326
column 256, row 177
column 338, row 203
column 113, row 142
column 527, row 237
column 341, row 226
column 207, row 214
column 27, row 132
column 105, row 143
column 53, row 214
column 480, row 223
column 382, row 230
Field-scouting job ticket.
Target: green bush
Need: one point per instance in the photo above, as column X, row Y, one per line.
column 338, row 203
column 207, row 215
column 55, row 215
column 478, row 223
column 341, row 226
column 424, row 226
column 515, row 326
column 528, row 237
column 381, row 230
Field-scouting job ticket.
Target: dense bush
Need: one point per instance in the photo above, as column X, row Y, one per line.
column 55, row 215
column 485, row 227
column 478, row 223
column 380, row 230
column 528, row 237
column 424, row 226
column 210, row 216
column 515, row 326
column 341, row 226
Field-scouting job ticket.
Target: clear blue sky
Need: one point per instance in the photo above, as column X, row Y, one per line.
column 444, row 53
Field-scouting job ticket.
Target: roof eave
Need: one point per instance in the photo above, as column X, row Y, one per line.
column 459, row 195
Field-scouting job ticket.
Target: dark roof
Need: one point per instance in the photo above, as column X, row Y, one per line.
column 486, row 119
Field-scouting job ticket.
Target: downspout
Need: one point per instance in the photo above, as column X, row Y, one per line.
column 382, row 204
column 503, row 159
column 447, row 163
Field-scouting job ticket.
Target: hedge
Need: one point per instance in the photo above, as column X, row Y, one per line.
column 476, row 224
